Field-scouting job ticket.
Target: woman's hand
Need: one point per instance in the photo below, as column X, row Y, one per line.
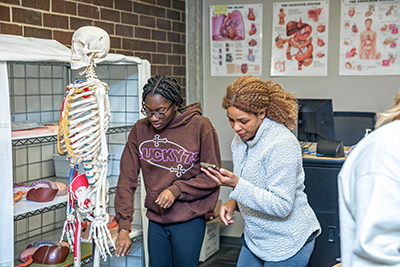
column 226, row 211
column 165, row 199
column 123, row 243
column 221, row 177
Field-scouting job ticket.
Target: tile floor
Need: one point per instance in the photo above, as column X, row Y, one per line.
column 224, row 257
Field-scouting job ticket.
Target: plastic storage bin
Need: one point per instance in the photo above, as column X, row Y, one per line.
column 62, row 166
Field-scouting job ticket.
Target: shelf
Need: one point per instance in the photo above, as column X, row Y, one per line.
column 32, row 150
column 136, row 235
column 113, row 128
column 25, row 208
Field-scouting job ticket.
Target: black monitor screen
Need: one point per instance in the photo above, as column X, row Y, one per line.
column 315, row 120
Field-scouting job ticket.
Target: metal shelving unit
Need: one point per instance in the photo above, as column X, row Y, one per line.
column 37, row 90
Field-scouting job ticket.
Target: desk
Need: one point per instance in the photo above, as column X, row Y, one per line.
column 321, row 188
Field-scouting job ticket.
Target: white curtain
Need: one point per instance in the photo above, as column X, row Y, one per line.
column 19, row 48
column 6, row 191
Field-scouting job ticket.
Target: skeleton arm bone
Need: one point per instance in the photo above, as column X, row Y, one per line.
column 100, row 93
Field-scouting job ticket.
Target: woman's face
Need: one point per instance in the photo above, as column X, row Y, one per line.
column 243, row 123
column 158, row 103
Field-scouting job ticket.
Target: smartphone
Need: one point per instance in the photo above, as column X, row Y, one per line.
column 208, row 165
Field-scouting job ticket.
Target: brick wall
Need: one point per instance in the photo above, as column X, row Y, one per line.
column 149, row 29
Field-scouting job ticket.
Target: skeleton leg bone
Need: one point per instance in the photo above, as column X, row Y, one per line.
column 77, row 243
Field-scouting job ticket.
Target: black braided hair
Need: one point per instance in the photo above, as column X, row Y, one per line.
column 166, row 86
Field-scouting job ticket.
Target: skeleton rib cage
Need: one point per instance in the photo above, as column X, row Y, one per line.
column 79, row 132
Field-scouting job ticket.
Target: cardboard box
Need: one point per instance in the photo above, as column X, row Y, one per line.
column 211, row 240
column 211, row 236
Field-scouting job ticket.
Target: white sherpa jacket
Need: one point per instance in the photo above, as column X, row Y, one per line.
column 270, row 192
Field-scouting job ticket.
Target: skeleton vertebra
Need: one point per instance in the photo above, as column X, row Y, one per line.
column 83, row 124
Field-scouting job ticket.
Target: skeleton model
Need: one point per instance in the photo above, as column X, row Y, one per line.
column 82, row 134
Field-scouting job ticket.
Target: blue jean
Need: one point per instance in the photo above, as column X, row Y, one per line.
column 300, row 259
column 176, row 245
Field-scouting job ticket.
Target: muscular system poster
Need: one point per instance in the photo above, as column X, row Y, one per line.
column 236, row 40
column 300, row 39
column 369, row 32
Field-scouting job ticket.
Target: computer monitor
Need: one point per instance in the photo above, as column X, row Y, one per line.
column 315, row 120
column 351, row 126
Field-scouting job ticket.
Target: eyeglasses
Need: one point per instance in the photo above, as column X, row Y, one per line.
column 158, row 114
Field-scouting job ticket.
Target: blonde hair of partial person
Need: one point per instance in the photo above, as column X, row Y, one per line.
column 391, row 114
column 252, row 95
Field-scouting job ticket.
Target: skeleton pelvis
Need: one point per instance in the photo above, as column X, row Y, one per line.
column 79, row 188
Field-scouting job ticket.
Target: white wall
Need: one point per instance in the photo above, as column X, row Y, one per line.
column 362, row 93
column 357, row 93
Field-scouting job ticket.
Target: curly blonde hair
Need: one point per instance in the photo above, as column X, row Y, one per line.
column 391, row 114
column 252, row 95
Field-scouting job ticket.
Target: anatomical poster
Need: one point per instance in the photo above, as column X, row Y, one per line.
column 369, row 33
column 236, row 39
column 300, row 39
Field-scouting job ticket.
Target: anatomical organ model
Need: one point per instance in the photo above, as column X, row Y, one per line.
column 82, row 134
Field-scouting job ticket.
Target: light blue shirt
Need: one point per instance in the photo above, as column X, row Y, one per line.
column 270, row 193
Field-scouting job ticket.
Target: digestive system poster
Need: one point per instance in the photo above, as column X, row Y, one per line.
column 236, row 40
column 300, row 39
column 368, row 37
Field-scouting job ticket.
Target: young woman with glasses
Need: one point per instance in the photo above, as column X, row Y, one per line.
column 168, row 145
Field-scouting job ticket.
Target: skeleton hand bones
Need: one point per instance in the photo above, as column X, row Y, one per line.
column 100, row 233
column 69, row 230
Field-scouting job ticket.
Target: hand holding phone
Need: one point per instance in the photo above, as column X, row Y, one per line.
column 208, row 165
column 223, row 177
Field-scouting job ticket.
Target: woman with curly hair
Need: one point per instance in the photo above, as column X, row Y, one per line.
column 369, row 196
column 268, row 177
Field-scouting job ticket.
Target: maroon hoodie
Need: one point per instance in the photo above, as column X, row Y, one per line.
column 170, row 159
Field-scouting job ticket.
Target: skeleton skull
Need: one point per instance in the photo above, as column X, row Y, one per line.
column 88, row 43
